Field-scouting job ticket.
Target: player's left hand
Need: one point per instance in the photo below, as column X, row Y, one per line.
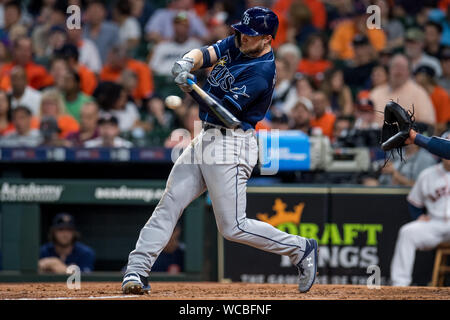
column 181, row 81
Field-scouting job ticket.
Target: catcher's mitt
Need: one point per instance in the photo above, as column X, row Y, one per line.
column 397, row 124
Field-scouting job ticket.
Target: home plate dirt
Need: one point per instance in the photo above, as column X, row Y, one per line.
column 218, row 291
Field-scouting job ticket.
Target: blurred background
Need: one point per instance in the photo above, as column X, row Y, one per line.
column 86, row 136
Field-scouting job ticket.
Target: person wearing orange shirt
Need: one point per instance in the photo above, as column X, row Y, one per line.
column 118, row 61
column 314, row 62
column 37, row 76
column 52, row 104
column 425, row 76
column 340, row 43
column 323, row 118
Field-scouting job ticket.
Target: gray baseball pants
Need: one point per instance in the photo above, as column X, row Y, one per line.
column 222, row 164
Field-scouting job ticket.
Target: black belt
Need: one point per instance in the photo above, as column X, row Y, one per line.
column 207, row 126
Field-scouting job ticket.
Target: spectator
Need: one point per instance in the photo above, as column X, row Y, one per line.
column 118, row 61
column 300, row 23
column 12, row 16
column 181, row 137
column 292, row 54
column 444, row 80
column 23, row 94
column 338, row 92
column 73, row 97
column 23, row 135
column 64, row 248
column 303, row 87
column 357, row 70
column 365, row 112
column 160, row 27
column 50, row 133
column 379, row 76
column 58, row 70
column 167, row 52
column 323, row 117
column 282, row 9
column 6, row 125
column 88, row 79
column 314, row 62
column 171, row 259
column 342, row 127
column 427, row 204
column 405, row 173
column 37, row 76
column 89, row 115
column 432, row 39
column 112, row 98
column 89, row 55
column 414, row 47
column 129, row 28
column 402, row 89
column 103, row 33
column 108, row 128
column 302, row 115
column 50, row 15
column 340, row 43
column 425, row 76
column 283, row 84
column 158, row 121
column 52, row 104
column 279, row 122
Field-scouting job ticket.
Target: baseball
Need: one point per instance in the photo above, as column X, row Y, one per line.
column 173, row 102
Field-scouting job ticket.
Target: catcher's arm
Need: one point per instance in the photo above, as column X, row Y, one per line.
column 437, row 146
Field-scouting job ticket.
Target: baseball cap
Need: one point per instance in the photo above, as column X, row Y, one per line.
column 445, row 54
column 360, row 40
column 63, row 220
column 414, row 34
column 49, row 125
column 363, row 102
column 108, row 118
column 429, row 71
column 306, row 102
column 181, row 16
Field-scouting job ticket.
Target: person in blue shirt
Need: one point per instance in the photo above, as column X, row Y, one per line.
column 64, row 249
column 437, row 146
column 242, row 81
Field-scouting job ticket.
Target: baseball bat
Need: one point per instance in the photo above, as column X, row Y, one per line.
column 220, row 111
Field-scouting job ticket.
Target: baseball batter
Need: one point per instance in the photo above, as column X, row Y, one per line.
column 429, row 204
column 242, row 80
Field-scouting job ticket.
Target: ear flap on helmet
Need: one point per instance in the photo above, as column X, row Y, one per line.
column 237, row 39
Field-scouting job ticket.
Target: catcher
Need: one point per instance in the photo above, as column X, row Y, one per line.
column 398, row 131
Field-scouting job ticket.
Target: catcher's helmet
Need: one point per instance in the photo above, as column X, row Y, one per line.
column 257, row 21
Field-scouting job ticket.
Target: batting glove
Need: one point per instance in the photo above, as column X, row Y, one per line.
column 181, row 81
column 182, row 65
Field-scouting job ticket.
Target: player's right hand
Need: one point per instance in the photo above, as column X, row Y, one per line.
column 181, row 81
column 182, row 65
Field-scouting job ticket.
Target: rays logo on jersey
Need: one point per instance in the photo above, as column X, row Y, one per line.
column 221, row 76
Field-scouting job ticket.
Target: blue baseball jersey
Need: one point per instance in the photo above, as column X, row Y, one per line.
column 241, row 84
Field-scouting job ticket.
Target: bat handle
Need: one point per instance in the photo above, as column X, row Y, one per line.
column 190, row 82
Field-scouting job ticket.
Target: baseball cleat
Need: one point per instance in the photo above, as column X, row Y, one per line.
column 134, row 283
column 307, row 267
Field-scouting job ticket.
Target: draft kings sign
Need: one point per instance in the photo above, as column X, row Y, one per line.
column 350, row 239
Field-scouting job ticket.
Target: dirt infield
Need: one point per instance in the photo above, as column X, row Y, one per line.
column 218, row 291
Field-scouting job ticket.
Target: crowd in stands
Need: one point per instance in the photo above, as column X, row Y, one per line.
column 104, row 84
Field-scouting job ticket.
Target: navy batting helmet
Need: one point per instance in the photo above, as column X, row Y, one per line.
column 258, row 21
